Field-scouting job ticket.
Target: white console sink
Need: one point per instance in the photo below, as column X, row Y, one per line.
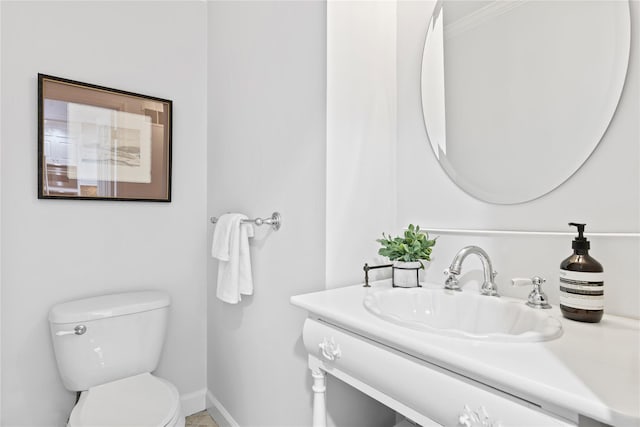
column 463, row 314
column 435, row 362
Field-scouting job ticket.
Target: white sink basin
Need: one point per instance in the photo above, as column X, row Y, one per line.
column 463, row 314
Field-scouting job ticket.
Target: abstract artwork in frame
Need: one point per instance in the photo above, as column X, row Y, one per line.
column 97, row 143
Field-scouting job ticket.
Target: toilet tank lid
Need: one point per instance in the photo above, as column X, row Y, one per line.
column 104, row 306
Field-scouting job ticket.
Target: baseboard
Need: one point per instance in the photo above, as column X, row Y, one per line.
column 219, row 413
column 193, row 402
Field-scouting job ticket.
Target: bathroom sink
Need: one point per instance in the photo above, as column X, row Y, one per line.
column 463, row 314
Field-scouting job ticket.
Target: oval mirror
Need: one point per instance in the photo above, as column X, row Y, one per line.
column 516, row 94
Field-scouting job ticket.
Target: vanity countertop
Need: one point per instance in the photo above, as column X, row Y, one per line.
column 592, row 369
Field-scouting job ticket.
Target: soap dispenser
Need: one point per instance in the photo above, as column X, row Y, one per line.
column 581, row 282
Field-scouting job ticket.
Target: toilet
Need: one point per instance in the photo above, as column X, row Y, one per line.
column 107, row 347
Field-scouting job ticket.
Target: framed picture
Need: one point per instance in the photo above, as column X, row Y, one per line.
column 99, row 143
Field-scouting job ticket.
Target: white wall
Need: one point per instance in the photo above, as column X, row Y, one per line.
column 604, row 193
column 0, row 208
column 267, row 151
column 57, row 250
column 361, row 134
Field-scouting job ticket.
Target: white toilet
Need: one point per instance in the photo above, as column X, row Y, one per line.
column 106, row 347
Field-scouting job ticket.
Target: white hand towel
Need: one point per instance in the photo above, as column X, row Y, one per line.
column 222, row 236
column 245, row 278
column 231, row 247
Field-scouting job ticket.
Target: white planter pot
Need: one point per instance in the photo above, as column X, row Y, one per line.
column 405, row 274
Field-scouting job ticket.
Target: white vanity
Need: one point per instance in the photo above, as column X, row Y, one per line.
column 564, row 373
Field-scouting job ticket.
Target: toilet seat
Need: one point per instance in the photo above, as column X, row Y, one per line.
column 142, row 401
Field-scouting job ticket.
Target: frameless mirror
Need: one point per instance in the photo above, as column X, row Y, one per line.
column 517, row 94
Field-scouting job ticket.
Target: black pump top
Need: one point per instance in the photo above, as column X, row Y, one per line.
column 580, row 244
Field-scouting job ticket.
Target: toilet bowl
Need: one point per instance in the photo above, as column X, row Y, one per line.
column 107, row 347
column 142, row 401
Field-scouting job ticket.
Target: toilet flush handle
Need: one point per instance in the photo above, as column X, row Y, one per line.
column 78, row 330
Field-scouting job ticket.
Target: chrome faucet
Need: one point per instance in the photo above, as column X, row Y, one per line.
column 488, row 287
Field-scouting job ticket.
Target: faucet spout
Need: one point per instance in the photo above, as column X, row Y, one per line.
column 488, row 287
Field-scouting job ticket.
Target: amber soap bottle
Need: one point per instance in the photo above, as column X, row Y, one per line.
column 581, row 282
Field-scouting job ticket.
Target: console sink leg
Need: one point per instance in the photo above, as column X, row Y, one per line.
column 319, row 402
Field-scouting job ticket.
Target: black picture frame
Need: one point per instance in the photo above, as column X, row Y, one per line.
column 99, row 143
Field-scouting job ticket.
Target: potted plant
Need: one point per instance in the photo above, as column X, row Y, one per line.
column 407, row 253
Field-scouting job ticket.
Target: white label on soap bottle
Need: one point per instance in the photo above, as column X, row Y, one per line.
column 582, row 290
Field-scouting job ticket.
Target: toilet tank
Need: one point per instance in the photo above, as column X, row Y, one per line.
column 106, row 338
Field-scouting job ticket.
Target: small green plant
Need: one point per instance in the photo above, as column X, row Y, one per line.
column 414, row 245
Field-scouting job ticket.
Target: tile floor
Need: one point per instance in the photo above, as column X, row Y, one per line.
column 200, row 419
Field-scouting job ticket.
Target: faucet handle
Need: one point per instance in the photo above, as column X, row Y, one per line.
column 536, row 281
column 451, row 283
column 450, row 274
column 537, row 298
column 521, row 281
